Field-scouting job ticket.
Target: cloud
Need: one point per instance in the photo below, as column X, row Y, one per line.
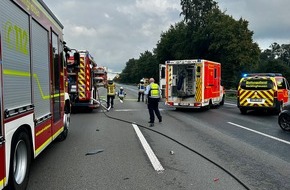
column 269, row 20
column 115, row 31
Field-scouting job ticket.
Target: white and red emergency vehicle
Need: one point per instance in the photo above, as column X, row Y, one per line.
column 193, row 83
column 81, row 85
column 34, row 107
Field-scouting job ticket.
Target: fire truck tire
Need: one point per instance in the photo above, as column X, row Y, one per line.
column 66, row 121
column 67, row 107
column 20, row 161
column 63, row 135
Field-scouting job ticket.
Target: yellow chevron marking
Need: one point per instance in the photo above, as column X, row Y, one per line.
column 266, row 95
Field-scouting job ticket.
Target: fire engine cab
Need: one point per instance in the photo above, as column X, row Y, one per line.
column 82, row 88
column 34, row 107
column 193, row 83
column 262, row 91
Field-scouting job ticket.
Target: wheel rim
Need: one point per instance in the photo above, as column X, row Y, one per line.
column 20, row 162
column 284, row 122
column 66, row 120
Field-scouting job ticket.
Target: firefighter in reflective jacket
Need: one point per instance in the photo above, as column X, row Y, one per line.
column 141, row 89
column 153, row 94
column 111, row 92
column 121, row 93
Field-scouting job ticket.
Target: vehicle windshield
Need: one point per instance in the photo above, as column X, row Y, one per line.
column 257, row 84
column 281, row 83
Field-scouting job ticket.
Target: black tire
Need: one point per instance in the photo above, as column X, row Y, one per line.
column 284, row 121
column 67, row 107
column 243, row 111
column 20, row 161
column 64, row 133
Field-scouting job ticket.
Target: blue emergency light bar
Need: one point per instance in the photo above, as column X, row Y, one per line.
column 262, row 74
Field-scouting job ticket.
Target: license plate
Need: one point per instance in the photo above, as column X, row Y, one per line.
column 256, row 100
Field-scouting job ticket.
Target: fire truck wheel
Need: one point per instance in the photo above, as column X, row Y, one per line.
column 67, row 107
column 20, row 161
column 64, row 133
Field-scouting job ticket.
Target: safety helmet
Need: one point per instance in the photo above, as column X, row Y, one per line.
column 121, row 88
column 110, row 81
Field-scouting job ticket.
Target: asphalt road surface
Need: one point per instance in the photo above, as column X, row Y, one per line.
column 217, row 149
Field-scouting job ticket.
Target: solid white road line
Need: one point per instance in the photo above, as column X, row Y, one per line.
column 152, row 157
column 260, row 133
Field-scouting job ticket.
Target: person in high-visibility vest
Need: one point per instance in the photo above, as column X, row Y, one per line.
column 153, row 95
column 141, row 90
column 111, row 93
column 121, row 93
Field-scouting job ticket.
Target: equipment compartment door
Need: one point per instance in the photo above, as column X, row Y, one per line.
column 212, row 80
column 216, row 80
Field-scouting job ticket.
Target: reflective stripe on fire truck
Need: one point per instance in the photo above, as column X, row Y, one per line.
column 266, row 97
column 88, row 73
column 81, row 79
column 170, row 75
column 48, row 141
column 26, row 74
column 2, row 182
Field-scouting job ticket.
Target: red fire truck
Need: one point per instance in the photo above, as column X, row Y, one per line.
column 34, row 107
column 194, row 83
column 82, row 87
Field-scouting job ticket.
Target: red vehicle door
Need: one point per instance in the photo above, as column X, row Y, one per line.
column 210, row 73
column 212, row 80
column 282, row 85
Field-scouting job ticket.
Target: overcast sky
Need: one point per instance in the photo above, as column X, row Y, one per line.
column 114, row 31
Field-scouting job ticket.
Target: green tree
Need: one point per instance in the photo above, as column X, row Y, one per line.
column 127, row 74
column 274, row 66
column 171, row 44
column 195, row 11
column 148, row 65
column 229, row 42
column 277, row 51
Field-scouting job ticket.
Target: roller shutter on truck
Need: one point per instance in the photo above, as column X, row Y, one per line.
column 16, row 56
column 40, row 61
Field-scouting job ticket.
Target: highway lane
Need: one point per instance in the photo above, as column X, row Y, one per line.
column 264, row 164
column 261, row 161
column 220, row 135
